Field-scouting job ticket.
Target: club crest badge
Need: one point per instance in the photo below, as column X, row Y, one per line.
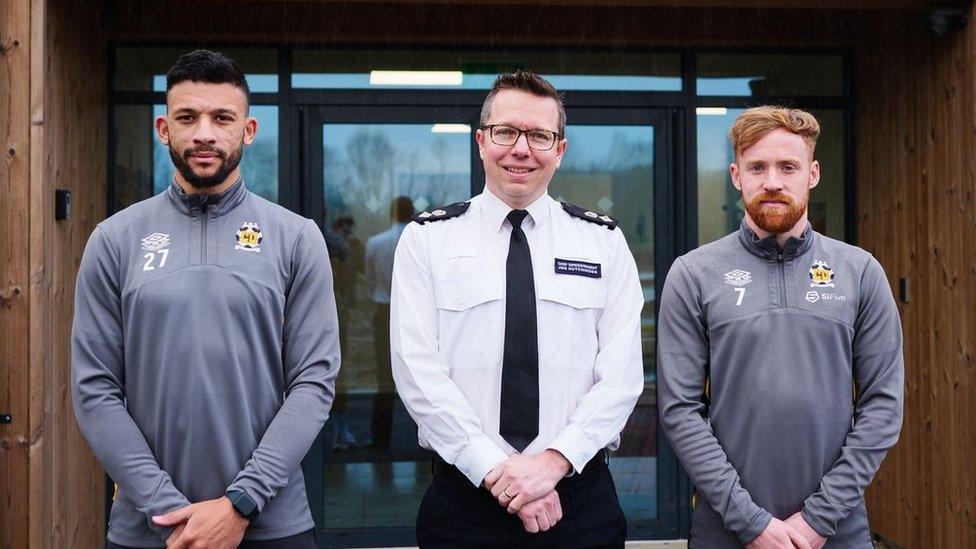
column 821, row 275
column 738, row 277
column 249, row 238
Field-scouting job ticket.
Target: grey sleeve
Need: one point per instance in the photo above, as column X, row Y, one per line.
column 879, row 378
column 311, row 362
column 98, row 378
column 682, row 369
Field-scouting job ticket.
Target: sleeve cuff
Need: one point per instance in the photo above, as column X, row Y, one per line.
column 480, row 456
column 756, row 526
column 821, row 526
column 575, row 446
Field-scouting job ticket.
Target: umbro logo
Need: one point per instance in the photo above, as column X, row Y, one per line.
column 738, row 277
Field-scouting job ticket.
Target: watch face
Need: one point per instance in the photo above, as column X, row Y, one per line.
column 244, row 504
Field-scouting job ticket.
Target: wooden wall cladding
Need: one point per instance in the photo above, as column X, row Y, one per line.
column 15, row 438
column 916, row 186
column 74, row 157
column 53, row 124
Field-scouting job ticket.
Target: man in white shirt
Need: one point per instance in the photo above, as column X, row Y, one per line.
column 515, row 336
column 379, row 274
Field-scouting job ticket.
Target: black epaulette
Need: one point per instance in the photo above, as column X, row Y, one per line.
column 591, row 216
column 442, row 213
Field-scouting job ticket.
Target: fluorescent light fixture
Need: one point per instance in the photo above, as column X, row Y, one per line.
column 450, row 128
column 711, row 111
column 415, row 78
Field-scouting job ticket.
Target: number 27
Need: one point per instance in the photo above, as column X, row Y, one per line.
column 151, row 256
column 742, row 293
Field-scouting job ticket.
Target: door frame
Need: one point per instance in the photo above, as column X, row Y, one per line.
column 671, row 214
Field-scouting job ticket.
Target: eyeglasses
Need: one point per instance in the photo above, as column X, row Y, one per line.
column 506, row 136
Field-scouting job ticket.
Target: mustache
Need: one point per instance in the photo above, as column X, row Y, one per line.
column 773, row 197
column 205, row 149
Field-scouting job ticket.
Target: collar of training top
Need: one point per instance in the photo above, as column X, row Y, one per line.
column 219, row 204
column 767, row 248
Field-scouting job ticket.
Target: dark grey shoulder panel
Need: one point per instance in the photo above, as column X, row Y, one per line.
column 591, row 216
column 442, row 213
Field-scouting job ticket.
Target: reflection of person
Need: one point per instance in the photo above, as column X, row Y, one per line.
column 346, row 258
column 518, row 412
column 379, row 274
column 762, row 335
column 204, row 346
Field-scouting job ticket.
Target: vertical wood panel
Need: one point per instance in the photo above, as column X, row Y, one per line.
column 70, row 121
column 15, row 42
column 917, row 184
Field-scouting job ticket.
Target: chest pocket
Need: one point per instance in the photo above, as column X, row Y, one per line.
column 569, row 307
column 471, row 320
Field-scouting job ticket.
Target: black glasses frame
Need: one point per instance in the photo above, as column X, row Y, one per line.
column 556, row 136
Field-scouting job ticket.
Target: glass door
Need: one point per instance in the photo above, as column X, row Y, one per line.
column 366, row 169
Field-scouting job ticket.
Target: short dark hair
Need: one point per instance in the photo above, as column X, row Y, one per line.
column 528, row 82
column 209, row 67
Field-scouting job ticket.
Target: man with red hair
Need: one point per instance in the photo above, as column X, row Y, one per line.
column 764, row 336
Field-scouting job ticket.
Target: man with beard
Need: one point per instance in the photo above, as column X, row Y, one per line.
column 205, row 341
column 780, row 373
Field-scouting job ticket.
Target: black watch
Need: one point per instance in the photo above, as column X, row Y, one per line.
column 243, row 504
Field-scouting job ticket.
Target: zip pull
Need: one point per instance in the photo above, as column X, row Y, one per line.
column 779, row 257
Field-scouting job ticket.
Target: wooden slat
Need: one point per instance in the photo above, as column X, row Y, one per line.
column 15, row 41
column 69, row 114
column 916, row 195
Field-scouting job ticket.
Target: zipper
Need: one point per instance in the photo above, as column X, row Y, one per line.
column 203, row 234
column 782, row 279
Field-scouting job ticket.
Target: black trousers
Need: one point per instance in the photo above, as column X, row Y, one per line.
column 305, row 540
column 454, row 514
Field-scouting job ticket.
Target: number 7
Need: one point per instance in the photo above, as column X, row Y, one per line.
column 742, row 293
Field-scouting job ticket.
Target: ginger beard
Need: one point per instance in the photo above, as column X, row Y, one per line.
column 776, row 220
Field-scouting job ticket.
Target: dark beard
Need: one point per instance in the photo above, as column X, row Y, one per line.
column 772, row 221
column 229, row 163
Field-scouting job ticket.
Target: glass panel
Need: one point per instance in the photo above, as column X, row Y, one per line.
column 134, row 138
column 476, row 69
column 611, row 169
column 770, row 75
column 259, row 165
column 373, row 176
column 720, row 208
column 144, row 69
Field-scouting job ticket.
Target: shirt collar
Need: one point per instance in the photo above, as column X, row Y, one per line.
column 495, row 210
column 193, row 204
column 768, row 248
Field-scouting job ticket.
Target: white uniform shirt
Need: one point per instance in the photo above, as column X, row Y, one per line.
column 379, row 262
column 447, row 331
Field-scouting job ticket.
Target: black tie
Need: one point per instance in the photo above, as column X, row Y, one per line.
column 519, row 421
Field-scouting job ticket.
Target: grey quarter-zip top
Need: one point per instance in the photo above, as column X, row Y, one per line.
column 780, row 383
column 204, row 356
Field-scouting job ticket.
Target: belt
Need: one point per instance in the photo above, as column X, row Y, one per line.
column 441, row 468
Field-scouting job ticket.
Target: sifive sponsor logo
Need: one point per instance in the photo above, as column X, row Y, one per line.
column 814, row 297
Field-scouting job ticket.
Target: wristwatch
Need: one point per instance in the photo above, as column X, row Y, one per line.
column 243, row 504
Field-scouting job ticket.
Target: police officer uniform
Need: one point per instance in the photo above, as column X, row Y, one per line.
column 448, row 316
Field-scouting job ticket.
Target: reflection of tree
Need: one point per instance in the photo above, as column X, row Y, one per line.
column 372, row 157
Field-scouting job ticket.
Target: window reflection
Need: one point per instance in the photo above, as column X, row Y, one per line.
column 611, row 169
column 374, row 177
column 770, row 75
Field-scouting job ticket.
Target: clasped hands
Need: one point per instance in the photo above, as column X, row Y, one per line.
column 791, row 533
column 526, row 485
column 211, row 524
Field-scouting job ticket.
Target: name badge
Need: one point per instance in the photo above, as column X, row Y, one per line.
column 578, row 268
